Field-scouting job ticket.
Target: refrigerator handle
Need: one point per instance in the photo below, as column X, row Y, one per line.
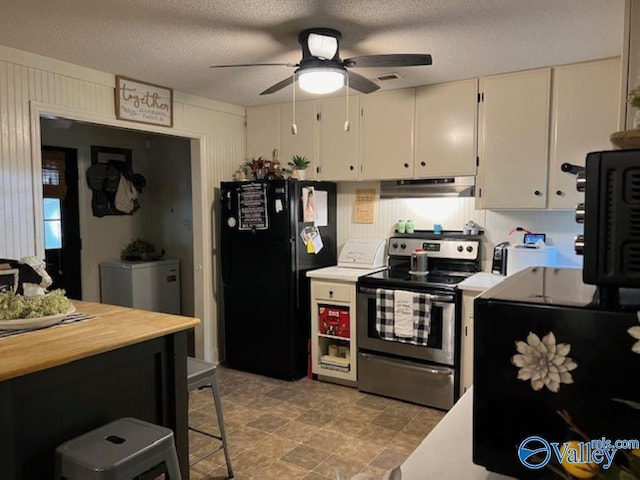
column 296, row 269
column 224, row 263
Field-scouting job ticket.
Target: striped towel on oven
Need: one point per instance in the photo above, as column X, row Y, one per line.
column 385, row 319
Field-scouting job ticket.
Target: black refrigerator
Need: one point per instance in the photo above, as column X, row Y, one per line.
column 272, row 232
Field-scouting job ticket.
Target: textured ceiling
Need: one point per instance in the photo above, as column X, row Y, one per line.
column 173, row 42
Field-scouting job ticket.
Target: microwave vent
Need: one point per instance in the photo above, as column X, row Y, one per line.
column 631, row 263
column 610, row 213
column 632, row 186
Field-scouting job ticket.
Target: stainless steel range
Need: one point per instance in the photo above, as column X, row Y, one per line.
column 409, row 321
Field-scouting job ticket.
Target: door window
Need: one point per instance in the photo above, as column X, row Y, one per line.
column 52, row 223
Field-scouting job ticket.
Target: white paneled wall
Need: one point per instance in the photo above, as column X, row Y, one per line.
column 218, row 143
column 452, row 214
column 224, row 146
column 17, row 235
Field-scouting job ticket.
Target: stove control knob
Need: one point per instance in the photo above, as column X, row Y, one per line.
column 581, row 181
column 579, row 245
column 580, row 212
column 394, row 245
column 460, row 248
column 469, row 249
column 403, row 246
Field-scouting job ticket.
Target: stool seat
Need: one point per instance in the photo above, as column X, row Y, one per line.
column 122, row 449
column 201, row 374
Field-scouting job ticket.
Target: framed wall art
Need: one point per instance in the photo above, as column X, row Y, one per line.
column 143, row 102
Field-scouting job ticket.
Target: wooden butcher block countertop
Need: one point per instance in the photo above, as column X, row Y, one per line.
column 112, row 327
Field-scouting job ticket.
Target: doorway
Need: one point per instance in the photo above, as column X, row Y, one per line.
column 61, row 219
column 202, row 304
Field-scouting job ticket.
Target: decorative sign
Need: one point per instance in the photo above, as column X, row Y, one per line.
column 365, row 206
column 143, row 102
column 252, row 206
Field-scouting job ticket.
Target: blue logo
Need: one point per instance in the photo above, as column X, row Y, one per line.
column 534, row 452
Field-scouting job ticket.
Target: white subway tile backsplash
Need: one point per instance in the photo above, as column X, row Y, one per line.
column 452, row 214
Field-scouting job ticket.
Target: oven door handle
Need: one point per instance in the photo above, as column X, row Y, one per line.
column 434, row 298
column 423, row 368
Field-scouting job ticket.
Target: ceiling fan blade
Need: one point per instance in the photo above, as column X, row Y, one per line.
column 361, row 84
column 278, row 86
column 392, row 60
column 257, row 65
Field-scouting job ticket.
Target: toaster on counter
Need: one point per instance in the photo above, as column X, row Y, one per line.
column 499, row 264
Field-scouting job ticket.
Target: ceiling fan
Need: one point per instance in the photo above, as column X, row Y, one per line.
column 321, row 69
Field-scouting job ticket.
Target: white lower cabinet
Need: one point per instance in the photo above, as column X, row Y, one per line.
column 466, row 360
column 333, row 331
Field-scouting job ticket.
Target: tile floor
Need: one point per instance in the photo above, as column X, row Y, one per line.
column 304, row 430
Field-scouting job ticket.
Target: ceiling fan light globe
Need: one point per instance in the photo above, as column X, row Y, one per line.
column 322, row 46
column 321, row 80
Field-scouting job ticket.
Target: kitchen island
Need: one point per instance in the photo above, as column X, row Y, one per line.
column 61, row 381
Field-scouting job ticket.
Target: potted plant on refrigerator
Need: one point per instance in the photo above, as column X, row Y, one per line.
column 298, row 164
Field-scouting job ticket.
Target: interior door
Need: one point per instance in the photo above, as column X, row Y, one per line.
column 61, row 219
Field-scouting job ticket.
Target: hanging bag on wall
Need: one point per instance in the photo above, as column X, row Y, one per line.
column 126, row 195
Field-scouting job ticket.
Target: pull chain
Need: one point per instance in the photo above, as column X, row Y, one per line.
column 294, row 127
column 347, row 125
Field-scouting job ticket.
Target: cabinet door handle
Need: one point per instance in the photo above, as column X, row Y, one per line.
column 351, row 167
column 537, row 193
column 466, row 334
column 406, row 165
column 330, row 293
column 423, row 164
column 559, row 193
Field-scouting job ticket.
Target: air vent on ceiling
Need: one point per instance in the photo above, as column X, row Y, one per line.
column 388, row 76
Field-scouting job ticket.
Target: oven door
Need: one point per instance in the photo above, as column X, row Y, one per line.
column 441, row 344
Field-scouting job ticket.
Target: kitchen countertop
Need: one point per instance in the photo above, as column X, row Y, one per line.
column 446, row 453
column 111, row 328
column 343, row 274
column 481, row 281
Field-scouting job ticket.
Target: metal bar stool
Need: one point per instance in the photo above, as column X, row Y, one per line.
column 120, row 450
column 202, row 374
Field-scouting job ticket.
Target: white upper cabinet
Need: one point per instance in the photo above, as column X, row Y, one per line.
column 586, row 99
column 386, row 135
column 304, row 141
column 337, row 147
column 514, row 139
column 446, row 126
column 525, row 126
column 263, row 130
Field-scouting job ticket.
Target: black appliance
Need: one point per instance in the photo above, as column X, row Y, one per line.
column 499, row 261
column 426, row 372
column 611, row 217
column 264, row 260
column 507, row 410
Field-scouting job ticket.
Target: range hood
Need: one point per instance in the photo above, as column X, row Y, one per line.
column 429, row 187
